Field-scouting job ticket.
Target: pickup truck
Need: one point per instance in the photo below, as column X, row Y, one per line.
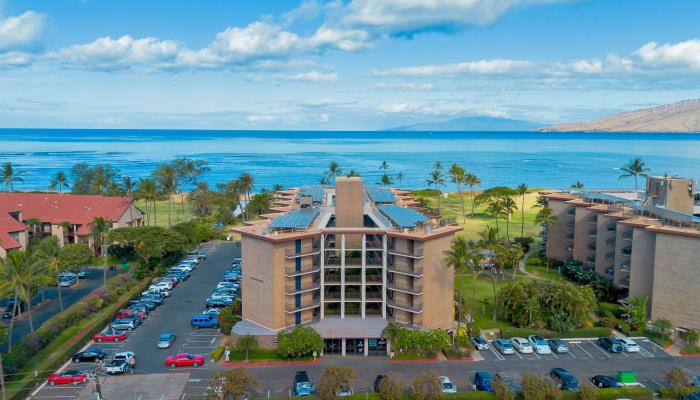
column 302, row 385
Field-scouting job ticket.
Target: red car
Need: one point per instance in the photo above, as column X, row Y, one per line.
column 184, row 360
column 128, row 313
column 67, row 377
column 109, row 336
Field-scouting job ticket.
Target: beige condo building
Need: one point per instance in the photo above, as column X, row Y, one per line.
column 647, row 242
column 346, row 260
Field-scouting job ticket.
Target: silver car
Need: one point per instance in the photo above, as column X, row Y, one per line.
column 166, row 340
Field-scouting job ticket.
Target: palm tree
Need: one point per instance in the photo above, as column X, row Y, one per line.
column 65, row 227
column 399, row 177
column 148, row 190
column 495, row 208
column 166, row 179
column 545, row 217
column 457, row 175
column 635, row 167
column 578, row 185
column 128, row 185
column 245, row 185
column 9, row 176
column 522, row 191
column 386, row 180
column 352, row 173
column 59, row 181
column 98, row 230
column 34, row 223
column 19, row 272
column 472, row 181
column 508, row 207
column 51, row 249
column 3, row 336
column 461, row 257
column 277, row 187
column 334, row 170
column 392, row 331
column 437, row 179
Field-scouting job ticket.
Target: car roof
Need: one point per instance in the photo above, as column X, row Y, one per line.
column 561, row 371
column 484, row 374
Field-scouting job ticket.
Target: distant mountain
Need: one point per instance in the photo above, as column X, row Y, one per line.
column 472, row 124
column 683, row 116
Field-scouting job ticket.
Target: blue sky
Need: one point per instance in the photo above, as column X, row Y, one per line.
column 352, row 64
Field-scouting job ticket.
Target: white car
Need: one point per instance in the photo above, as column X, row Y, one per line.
column 191, row 260
column 628, row 345
column 163, row 285
column 185, row 267
column 521, row 344
column 539, row 344
column 447, row 385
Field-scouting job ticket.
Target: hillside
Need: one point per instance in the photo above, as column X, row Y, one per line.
column 471, row 124
column 683, row 116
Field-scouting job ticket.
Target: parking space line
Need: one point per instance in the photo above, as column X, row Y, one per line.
column 536, row 355
column 555, row 356
column 657, row 383
column 518, row 354
column 497, row 354
column 645, row 353
column 599, row 349
column 584, row 350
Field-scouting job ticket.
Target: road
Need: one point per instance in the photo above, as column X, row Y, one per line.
column 69, row 295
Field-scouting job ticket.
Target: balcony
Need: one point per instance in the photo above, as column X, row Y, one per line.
column 309, row 269
column 292, row 308
column 627, row 251
column 414, row 272
column 571, row 211
column 307, row 251
column 570, row 237
column 612, row 227
column 610, row 256
column 331, row 278
column 416, row 290
column 591, row 246
column 373, row 296
column 625, row 266
column 610, row 241
column 624, row 282
column 417, row 254
column 415, row 308
column 590, row 259
column 290, row 288
column 627, row 235
column 570, row 225
column 593, row 219
column 331, row 296
column 570, row 249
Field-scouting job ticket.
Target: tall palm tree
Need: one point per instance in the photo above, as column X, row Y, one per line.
column 334, row 170
column 352, row 173
column 166, row 179
column 51, row 249
column 20, row 271
column 59, row 181
column 399, row 177
column 384, row 166
column 65, row 227
column 149, row 190
column 472, row 181
column 98, row 230
column 635, row 167
column 522, row 191
column 277, row 187
column 457, row 175
column 462, row 257
column 128, row 185
column 3, row 336
column 578, row 185
column 545, row 217
column 9, row 175
column 495, row 208
column 386, row 180
column 245, row 185
column 509, row 206
column 437, row 178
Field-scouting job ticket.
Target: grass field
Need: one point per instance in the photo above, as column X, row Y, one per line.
column 484, row 291
column 451, row 207
column 162, row 211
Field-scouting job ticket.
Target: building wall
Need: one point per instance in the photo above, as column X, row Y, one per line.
column 557, row 242
column 438, row 285
column 642, row 262
column 263, row 283
column 676, row 280
column 622, row 241
column 605, row 245
column 673, row 193
column 349, row 202
column 582, row 239
column 131, row 217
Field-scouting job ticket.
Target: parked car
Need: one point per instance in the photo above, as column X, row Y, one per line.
column 138, row 303
column 162, row 285
column 124, row 324
column 447, row 385
column 628, row 345
column 204, row 321
column 184, row 360
column 82, row 274
column 539, row 344
column 7, row 314
column 483, row 380
column 117, row 367
column 126, row 356
column 563, row 379
column 109, row 335
column 515, row 387
column 212, row 311
column 237, row 261
column 166, row 340
column 68, row 377
column 610, row 344
column 89, row 355
column 378, row 381
column 302, row 385
column 503, row 346
column 558, row 346
column 604, row 381
column 67, row 280
column 127, row 312
column 521, row 344
column 480, row 343
column 158, row 300
column 199, row 254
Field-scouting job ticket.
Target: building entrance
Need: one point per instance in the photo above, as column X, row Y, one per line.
column 355, row 347
column 332, row 347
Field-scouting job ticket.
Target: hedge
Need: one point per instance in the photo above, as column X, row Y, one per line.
column 677, row 393
column 62, row 348
column 217, row 353
column 593, row 332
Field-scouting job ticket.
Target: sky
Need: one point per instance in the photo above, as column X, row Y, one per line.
column 339, row 64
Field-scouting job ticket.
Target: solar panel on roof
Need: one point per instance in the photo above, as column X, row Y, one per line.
column 402, row 217
column 316, row 193
column 299, row 218
column 380, row 194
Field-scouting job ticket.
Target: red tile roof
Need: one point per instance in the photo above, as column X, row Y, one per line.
column 8, row 225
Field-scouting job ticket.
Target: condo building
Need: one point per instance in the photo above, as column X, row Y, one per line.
column 647, row 242
column 345, row 260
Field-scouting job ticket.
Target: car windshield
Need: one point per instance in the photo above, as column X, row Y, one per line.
column 479, row 340
column 190, row 356
column 447, row 385
column 165, row 337
column 506, row 345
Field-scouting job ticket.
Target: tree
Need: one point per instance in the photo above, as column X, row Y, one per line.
column 277, row 187
column 34, row 223
column 3, row 339
column 461, row 257
column 509, row 207
column 502, row 390
column 232, row 384
column 384, row 166
column 537, row 387
column 9, row 175
column 246, row 343
column 427, row 386
column 98, row 230
column 149, row 242
column 51, row 251
column 691, row 337
column 472, row 181
column 148, row 190
column 679, row 378
column 522, row 191
column 20, row 272
column 636, row 167
column 390, row 389
column 663, row 325
column 334, row 378
column 334, row 170
column 302, row 341
column 246, row 183
column 167, row 181
column 386, row 180
column 578, row 185
column 636, row 310
column 587, row 392
column 438, row 180
column 352, row 173
column 457, row 176
column 128, row 186
column 202, row 198
column 546, row 218
column 400, row 177
column 60, row 180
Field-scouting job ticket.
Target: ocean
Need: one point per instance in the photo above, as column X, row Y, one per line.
column 294, row 158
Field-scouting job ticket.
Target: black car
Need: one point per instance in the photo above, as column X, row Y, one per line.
column 89, row 355
column 143, row 304
column 604, row 381
column 612, row 345
column 378, row 381
column 7, row 315
column 154, row 299
column 563, row 379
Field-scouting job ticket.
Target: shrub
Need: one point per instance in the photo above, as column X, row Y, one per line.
column 427, row 386
column 502, row 390
column 302, row 341
column 587, row 392
column 583, row 333
column 217, row 353
column 227, row 319
column 390, row 389
column 633, row 393
column 537, row 387
column 608, row 322
column 333, row 379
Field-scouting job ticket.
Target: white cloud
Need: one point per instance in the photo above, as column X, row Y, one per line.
column 261, row 119
column 403, row 86
column 312, row 76
column 342, row 39
column 682, row 54
column 481, row 67
column 107, row 53
column 20, row 31
column 14, row 59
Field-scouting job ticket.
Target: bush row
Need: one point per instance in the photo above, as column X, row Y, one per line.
column 576, row 333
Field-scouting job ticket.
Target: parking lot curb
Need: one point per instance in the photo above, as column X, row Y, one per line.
column 466, row 359
column 690, row 354
column 427, row 360
column 271, row 363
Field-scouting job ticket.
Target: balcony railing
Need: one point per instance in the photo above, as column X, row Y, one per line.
column 612, row 227
column 415, row 271
column 593, row 219
column 570, row 225
column 415, row 308
column 627, row 235
column 416, row 290
column 416, row 253
column 292, row 308
column 625, row 282
column 610, row 256
column 309, row 269
column 570, row 237
column 372, row 296
column 306, row 251
column 593, row 233
column 610, row 241
column 571, row 211
column 353, row 296
column 627, row 251
column 591, row 246
column 291, row 289
column 590, row 259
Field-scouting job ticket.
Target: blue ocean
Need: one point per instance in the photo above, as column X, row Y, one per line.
column 294, row 158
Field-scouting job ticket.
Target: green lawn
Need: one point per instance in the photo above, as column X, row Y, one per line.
column 484, row 291
column 161, row 213
column 452, row 207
